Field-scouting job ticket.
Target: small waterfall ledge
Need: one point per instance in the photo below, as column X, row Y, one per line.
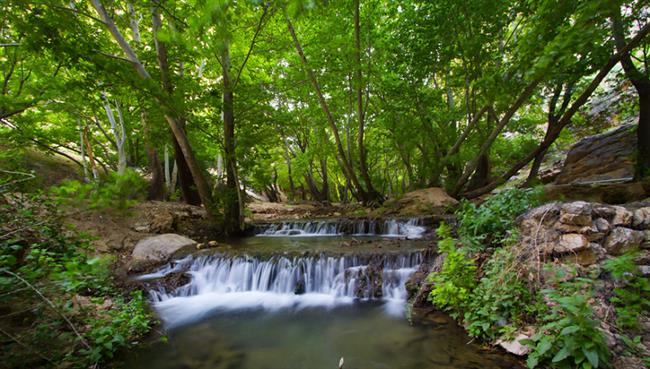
column 220, row 282
column 411, row 228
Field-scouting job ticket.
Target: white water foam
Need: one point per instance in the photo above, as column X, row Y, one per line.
column 226, row 284
column 410, row 228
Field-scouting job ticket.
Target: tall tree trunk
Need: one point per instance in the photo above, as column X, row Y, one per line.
column 371, row 194
column 89, row 151
column 641, row 83
column 157, row 184
column 233, row 199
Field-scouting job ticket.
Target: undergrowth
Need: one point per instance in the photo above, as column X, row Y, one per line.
column 59, row 306
column 499, row 298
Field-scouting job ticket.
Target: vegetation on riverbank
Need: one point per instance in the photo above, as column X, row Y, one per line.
column 487, row 284
column 60, row 305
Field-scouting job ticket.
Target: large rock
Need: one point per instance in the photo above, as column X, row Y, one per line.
column 607, row 156
column 623, row 239
column 433, row 200
column 515, row 346
column 641, row 218
column 160, row 248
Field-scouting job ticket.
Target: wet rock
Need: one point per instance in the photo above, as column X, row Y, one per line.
column 641, row 218
column 160, row 248
column 571, row 242
column 622, row 239
column 515, row 346
column 607, row 156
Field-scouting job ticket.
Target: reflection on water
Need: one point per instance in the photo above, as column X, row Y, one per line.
column 316, row 338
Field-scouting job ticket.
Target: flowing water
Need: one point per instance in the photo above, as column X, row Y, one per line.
column 304, row 310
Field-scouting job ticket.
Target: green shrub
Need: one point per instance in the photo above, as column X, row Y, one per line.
column 570, row 337
column 488, row 224
column 501, row 301
column 457, row 277
column 632, row 291
column 117, row 192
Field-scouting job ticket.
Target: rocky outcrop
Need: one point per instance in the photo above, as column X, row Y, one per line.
column 433, row 200
column 160, row 248
column 607, row 156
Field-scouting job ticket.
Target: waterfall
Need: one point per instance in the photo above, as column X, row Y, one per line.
column 220, row 282
column 410, row 228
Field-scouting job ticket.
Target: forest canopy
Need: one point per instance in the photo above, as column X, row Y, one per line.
column 322, row 100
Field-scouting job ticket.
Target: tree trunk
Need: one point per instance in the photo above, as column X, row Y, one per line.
column 232, row 200
column 157, row 184
column 641, row 83
column 370, row 193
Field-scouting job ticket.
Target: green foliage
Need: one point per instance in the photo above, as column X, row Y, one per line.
column 55, row 260
column 632, row 291
column 501, row 301
column 117, row 192
column 570, row 337
column 488, row 224
column 117, row 327
column 455, row 281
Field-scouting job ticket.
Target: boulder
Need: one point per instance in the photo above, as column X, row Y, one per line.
column 603, row 157
column 602, row 225
column 433, row 200
column 622, row 239
column 576, row 213
column 160, row 248
column 571, row 242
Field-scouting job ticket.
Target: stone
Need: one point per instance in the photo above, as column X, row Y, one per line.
column 606, row 156
column 641, row 218
column 539, row 217
column 622, row 239
column 604, row 211
column 162, row 222
column 585, row 257
column 642, row 258
column 515, row 346
column 622, row 217
column 576, row 213
column 213, row 243
column 161, row 247
column 571, row 242
column 644, row 270
column 602, row 225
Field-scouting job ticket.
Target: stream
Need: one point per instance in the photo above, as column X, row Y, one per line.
column 303, row 295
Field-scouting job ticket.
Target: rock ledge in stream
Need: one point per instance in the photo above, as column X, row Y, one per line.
column 160, row 248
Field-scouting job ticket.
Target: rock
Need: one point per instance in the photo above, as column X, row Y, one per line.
column 622, row 239
column 622, row 216
column 539, row 217
column 585, row 257
column 644, row 270
column 515, row 346
column 571, row 242
column 641, row 218
column 642, row 258
column 162, row 222
column 213, row 243
column 576, row 213
column 602, row 225
column 160, row 248
column 607, row 156
column 433, row 200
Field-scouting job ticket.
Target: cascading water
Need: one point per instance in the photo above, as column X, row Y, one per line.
column 411, row 228
column 243, row 282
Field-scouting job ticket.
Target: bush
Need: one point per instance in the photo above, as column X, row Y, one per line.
column 501, row 301
column 117, row 192
column 570, row 337
column 455, row 281
column 632, row 291
column 487, row 225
